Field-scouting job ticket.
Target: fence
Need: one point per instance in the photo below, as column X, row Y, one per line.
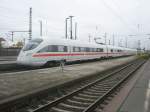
column 9, row 51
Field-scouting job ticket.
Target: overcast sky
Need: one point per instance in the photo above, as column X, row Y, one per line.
column 119, row 17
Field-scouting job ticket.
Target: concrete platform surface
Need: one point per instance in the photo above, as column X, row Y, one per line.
column 12, row 84
column 138, row 100
column 7, row 62
column 8, row 58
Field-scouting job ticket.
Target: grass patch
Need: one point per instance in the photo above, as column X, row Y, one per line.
column 144, row 56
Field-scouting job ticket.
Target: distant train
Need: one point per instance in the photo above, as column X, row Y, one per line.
column 38, row 52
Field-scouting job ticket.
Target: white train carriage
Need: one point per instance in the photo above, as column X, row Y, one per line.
column 38, row 52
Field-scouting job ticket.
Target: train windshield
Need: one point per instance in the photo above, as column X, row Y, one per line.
column 32, row 44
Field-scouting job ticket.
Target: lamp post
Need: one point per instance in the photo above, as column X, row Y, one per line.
column 126, row 42
column 76, row 31
column 113, row 40
column 12, row 34
column 109, row 42
column 71, row 27
column 89, row 37
column 30, row 24
column 40, row 28
column 66, row 29
column 105, row 36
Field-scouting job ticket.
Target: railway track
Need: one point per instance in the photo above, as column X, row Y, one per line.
column 86, row 98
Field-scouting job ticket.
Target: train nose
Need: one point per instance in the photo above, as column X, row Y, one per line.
column 22, row 59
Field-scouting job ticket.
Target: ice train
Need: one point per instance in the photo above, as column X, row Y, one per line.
column 38, row 52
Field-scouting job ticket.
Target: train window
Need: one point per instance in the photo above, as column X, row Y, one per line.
column 29, row 46
column 76, row 49
column 53, row 48
column 62, row 48
column 94, row 49
column 82, row 49
column 99, row 49
column 111, row 50
column 91, row 49
column 45, row 49
column 65, row 48
column 32, row 44
column 87, row 49
column 119, row 50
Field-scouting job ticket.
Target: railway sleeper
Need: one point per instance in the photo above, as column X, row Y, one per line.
column 54, row 109
column 92, row 93
column 101, row 87
column 87, row 100
column 98, row 110
column 112, row 83
column 82, row 96
column 96, row 91
column 77, row 103
column 70, row 107
column 100, row 107
column 87, row 96
column 102, row 84
column 109, row 97
column 106, row 86
column 105, row 102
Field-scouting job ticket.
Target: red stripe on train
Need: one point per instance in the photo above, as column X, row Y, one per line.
column 69, row 54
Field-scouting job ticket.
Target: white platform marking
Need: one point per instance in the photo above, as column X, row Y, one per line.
column 147, row 98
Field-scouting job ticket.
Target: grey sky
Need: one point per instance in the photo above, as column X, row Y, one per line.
column 112, row 16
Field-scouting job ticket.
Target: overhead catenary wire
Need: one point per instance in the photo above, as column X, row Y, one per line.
column 118, row 16
column 119, row 9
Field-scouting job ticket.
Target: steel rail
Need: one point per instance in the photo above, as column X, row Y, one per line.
column 101, row 99
column 59, row 100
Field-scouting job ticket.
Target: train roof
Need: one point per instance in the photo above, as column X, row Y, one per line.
column 80, row 43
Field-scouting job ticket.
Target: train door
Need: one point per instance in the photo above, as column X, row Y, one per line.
column 107, row 51
column 69, row 52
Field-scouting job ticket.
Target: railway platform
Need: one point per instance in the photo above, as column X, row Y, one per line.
column 7, row 62
column 17, row 83
column 138, row 99
column 8, row 58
